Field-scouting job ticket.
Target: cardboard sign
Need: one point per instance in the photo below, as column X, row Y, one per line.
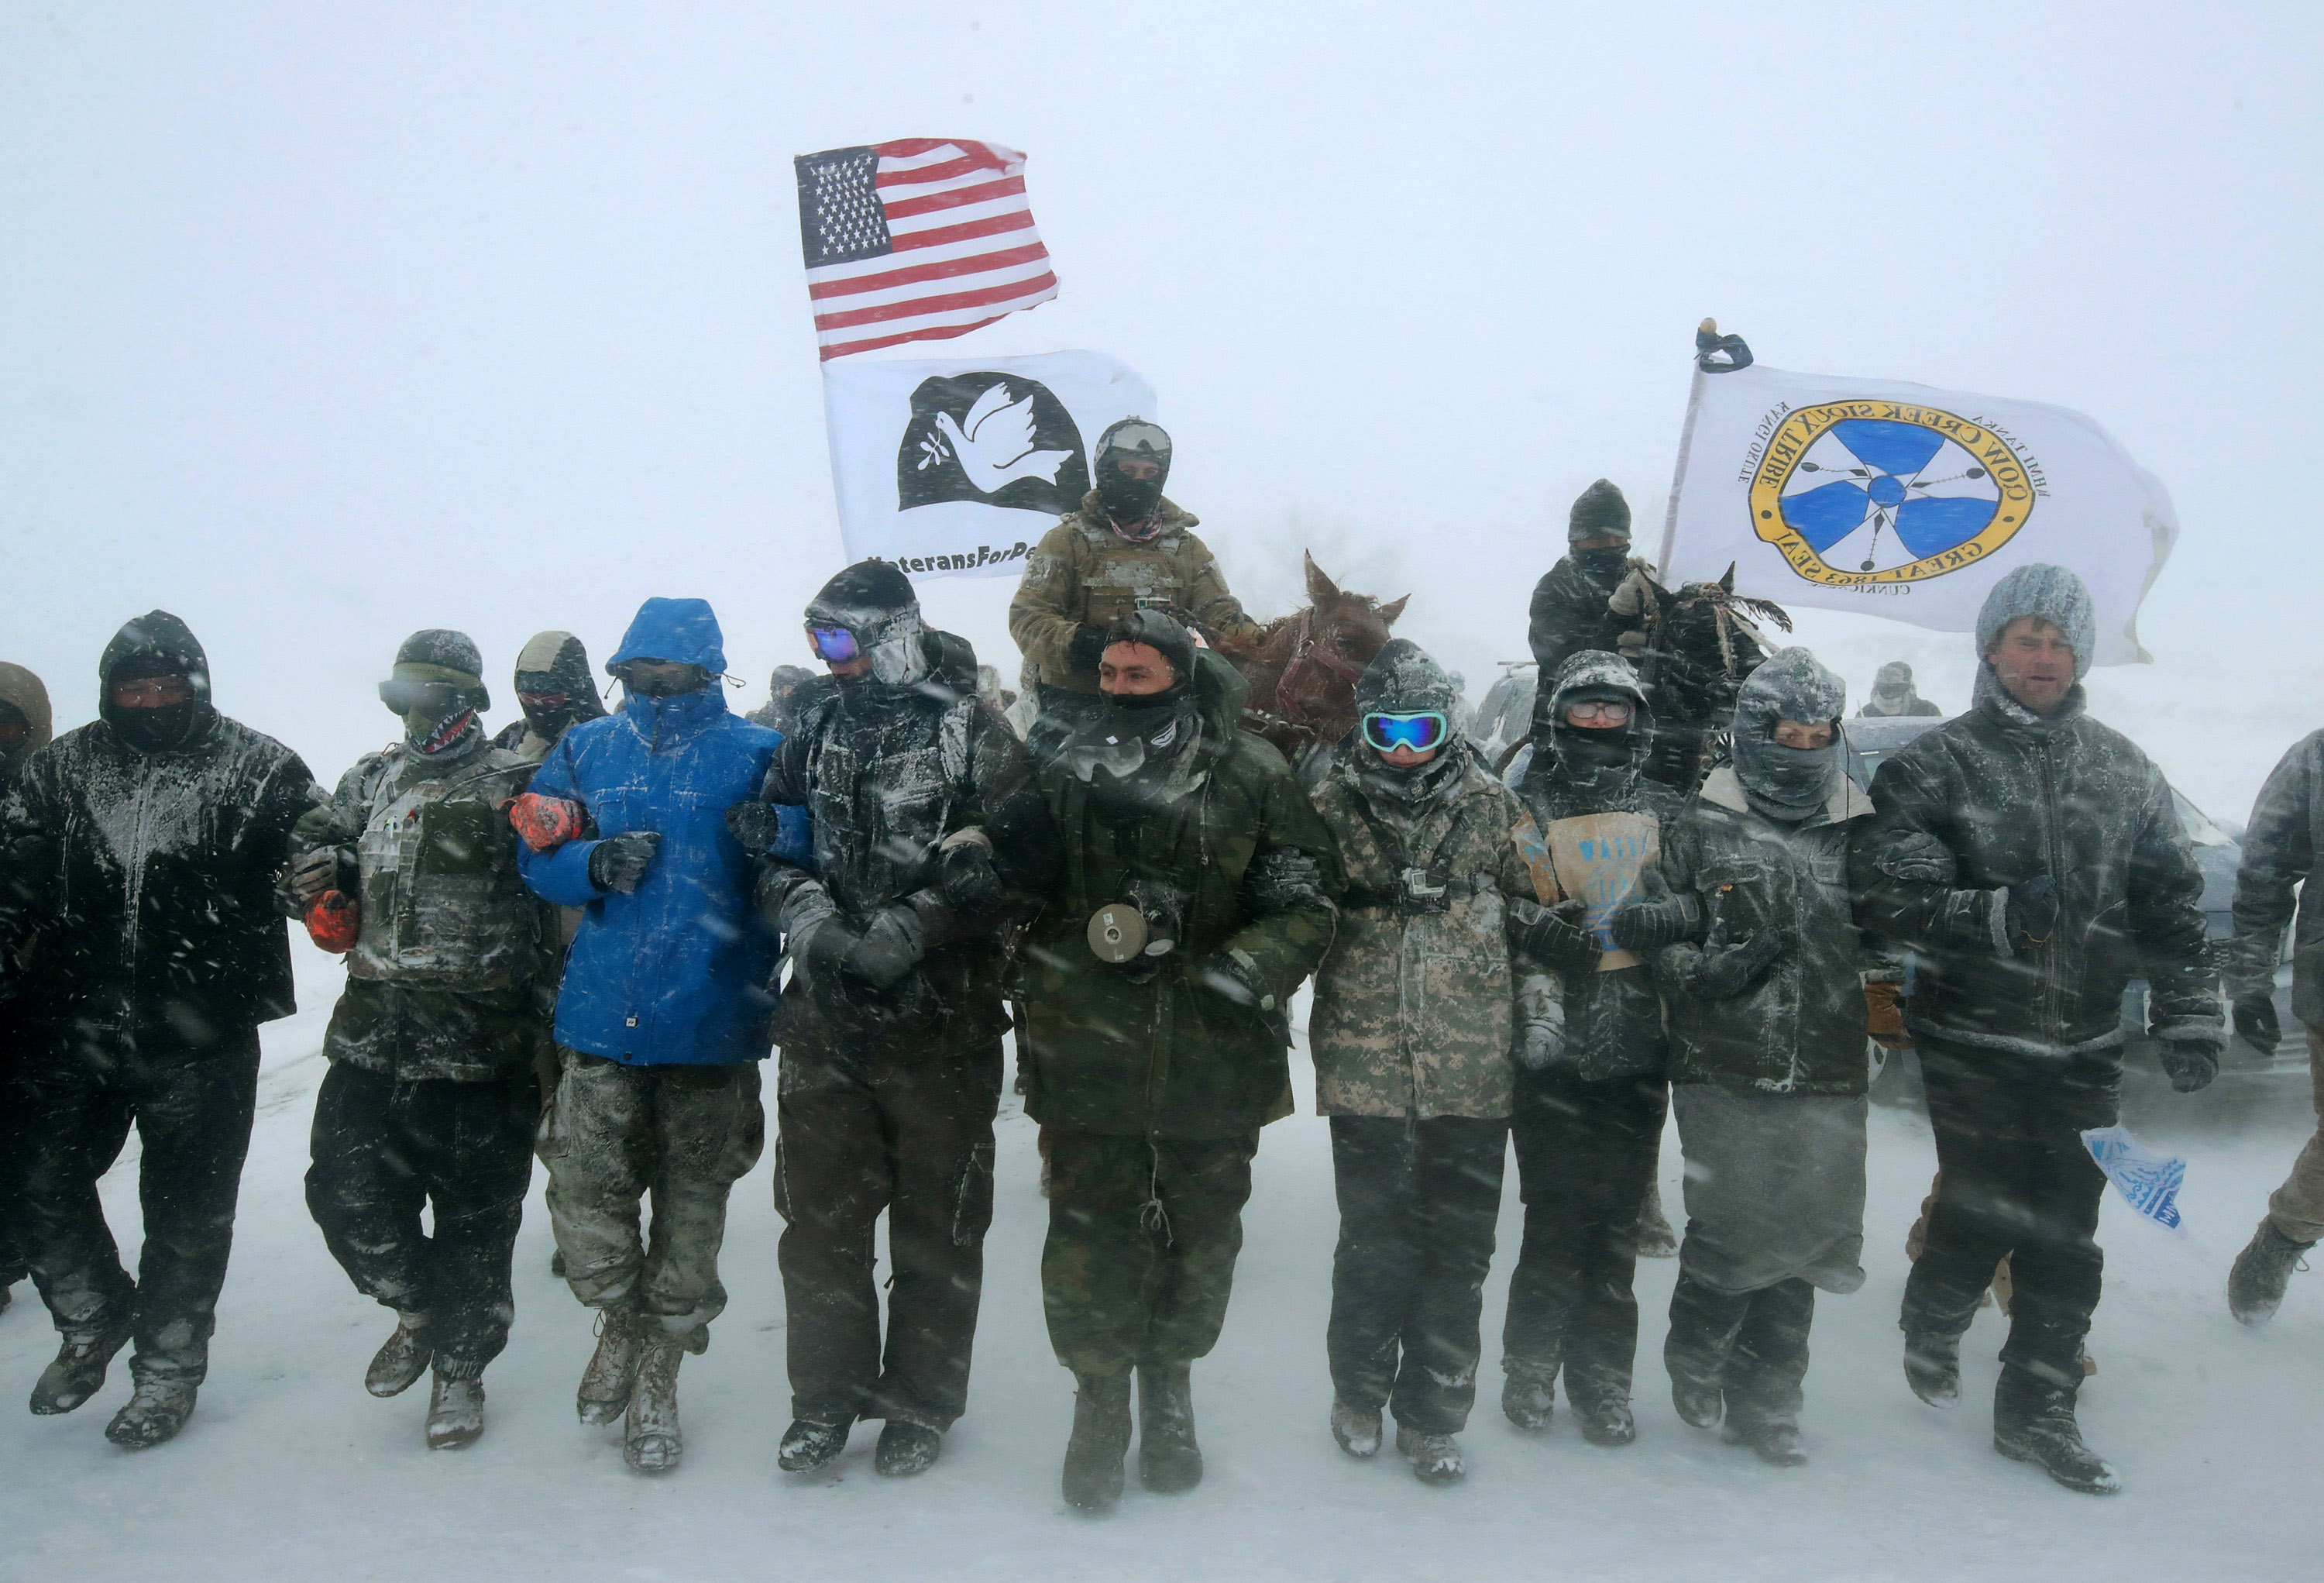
column 1596, row 857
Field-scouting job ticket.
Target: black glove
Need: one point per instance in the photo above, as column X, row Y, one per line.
column 2191, row 1066
column 1727, row 970
column 2032, row 910
column 968, row 878
column 1557, row 940
column 1229, row 979
column 890, row 946
column 2255, row 1020
column 619, row 863
column 1082, row 653
column 755, row 824
column 1650, row 925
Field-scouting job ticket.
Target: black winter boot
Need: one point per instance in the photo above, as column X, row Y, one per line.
column 154, row 1414
column 1605, row 1417
column 1529, row 1394
column 2034, row 1421
column 905, row 1449
column 807, row 1444
column 1932, row 1366
column 2262, row 1270
column 1357, row 1430
column 612, row 1371
column 1100, row 1438
column 1168, row 1460
column 1434, row 1459
column 1777, row 1444
column 77, row 1373
column 402, row 1358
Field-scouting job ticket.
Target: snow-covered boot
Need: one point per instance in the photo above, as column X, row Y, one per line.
column 1168, row 1460
column 2034, row 1421
column 1775, row 1443
column 1932, row 1366
column 1604, row 1415
column 905, row 1449
column 77, row 1373
column 650, row 1443
column 612, row 1371
column 1434, row 1459
column 1529, row 1394
column 1358, row 1432
column 2262, row 1270
column 1100, row 1438
column 402, row 1358
column 456, row 1414
column 155, row 1413
column 1700, row 1405
column 1654, row 1239
column 808, row 1444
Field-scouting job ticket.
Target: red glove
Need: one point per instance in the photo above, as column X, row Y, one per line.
column 545, row 823
column 334, row 921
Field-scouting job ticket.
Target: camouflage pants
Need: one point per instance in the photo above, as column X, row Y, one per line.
column 1143, row 1237
column 2297, row 1207
column 679, row 1135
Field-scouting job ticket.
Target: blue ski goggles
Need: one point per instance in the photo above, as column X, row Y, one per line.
column 834, row 644
column 1422, row 732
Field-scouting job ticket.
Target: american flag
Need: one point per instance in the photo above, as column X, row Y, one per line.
column 916, row 240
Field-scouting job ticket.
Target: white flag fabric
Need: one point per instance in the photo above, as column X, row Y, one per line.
column 1899, row 500
column 957, row 465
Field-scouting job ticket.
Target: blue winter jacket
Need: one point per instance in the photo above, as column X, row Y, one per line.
column 676, row 973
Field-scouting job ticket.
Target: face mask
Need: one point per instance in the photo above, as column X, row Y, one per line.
column 1126, row 499
column 1786, row 782
column 430, row 734
column 1603, row 562
column 1580, row 749
column 158, row 729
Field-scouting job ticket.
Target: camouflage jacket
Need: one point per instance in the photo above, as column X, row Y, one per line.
column 1084, row 573
column 1412, row 1005
column 447, row 976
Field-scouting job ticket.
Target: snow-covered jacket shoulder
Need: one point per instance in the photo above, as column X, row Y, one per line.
column 2287, row 831
column 677, row 972
column 1800, row 1027
column 1412, row 1007
column 1994, row 800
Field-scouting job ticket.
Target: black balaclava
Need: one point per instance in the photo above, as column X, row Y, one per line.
column 553, row 663
column 1788, row 784
column 157, row 644
column 1130, row 501
column 1599, row 512
column 1137, row 756
column 1598, row 763
column 446, row 726
column 875, row 601
column 1402, row 680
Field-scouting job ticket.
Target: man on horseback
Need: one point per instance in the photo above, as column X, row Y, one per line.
column 1569, row 613
column 1126, row 548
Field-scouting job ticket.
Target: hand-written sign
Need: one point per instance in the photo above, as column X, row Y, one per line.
column 1594, row 858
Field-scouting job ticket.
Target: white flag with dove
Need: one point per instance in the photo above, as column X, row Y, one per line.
column 957, row 465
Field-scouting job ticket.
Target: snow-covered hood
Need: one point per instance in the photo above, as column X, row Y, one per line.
column 22, row 690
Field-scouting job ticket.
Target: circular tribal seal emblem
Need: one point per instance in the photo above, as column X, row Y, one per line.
column 1885, row 492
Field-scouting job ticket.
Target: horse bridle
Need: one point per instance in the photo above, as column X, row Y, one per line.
column 1305, row 652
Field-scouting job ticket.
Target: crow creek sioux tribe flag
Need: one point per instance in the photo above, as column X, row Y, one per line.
column 959, row 465
column 920, row 239
column 1897, row 500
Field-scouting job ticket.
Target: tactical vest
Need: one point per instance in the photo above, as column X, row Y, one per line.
column 443, row 905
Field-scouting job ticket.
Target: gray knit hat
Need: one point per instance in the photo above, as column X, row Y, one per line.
column 1599, row 512
column 2050, row 592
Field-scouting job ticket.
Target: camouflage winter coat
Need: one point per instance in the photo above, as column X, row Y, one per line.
column 1412, row 1006
column 1084, row 573
column 1799, row 1028
column 1146, row 1048
column 450, row 969
column 2280, row 850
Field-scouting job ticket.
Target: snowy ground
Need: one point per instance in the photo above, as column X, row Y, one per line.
column 290, row 1471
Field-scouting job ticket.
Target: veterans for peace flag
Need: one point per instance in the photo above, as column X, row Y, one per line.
column 1895, row 499
column 959, row 465
column 920, row 239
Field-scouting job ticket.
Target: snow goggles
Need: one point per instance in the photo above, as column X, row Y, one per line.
column 1420, row 732
column 833, row 644
column 436, row 700
column 1612, row 711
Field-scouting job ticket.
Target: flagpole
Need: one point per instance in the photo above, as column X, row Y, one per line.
column 1678, row 471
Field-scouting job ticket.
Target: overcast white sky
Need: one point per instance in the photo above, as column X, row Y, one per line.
column 318, row 324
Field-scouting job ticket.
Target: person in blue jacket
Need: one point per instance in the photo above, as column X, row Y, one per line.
column 664, row 1013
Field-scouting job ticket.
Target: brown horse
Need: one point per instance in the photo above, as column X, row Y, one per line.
column 1303, row 667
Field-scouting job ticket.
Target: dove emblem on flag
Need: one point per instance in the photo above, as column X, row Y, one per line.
column 990, row 437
